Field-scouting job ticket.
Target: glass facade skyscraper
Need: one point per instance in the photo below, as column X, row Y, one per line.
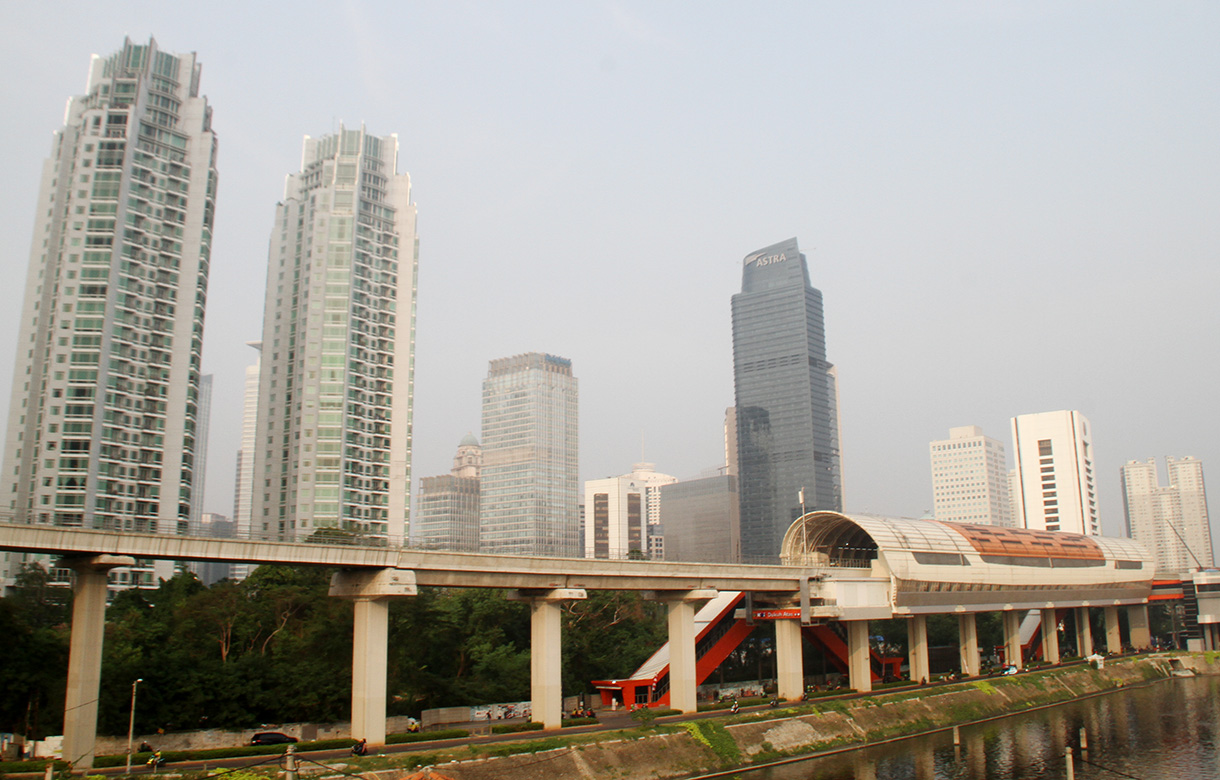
column 787, row 404
column 336, row 380
column 528, row 491
column 103, row 427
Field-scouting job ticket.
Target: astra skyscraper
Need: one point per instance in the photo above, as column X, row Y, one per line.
column 787, row 401
column 336, row 377
column 528, row 490
column 103, row 426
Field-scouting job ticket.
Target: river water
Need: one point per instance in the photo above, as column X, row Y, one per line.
column 1169, row 730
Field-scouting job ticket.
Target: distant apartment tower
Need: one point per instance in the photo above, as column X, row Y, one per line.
column 333, row 449
column 102, row 428
column 214, row 526
column 787, row 400
column 243, row 482
column 624, row 512
column 970, row 478
column 528, row 491
column 1171, row 520
column 701, row 520
column 1055, row 480
column 447, row 508
column 203, row 425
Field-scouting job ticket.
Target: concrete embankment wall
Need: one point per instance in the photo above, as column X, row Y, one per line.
column 709, row 745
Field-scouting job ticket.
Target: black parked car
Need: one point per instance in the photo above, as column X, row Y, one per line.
column 271, row 738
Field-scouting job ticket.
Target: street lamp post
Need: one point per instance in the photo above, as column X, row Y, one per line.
column 131, row 723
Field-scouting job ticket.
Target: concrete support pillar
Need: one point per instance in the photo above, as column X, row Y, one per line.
column 546, row 652
column 859, row 671
column 789, row 660
column 546, row 663
column 85, row 655
column 968, row 643
column 683, row 678
column 1050, row 636
column 1084, row 632
column 917, row 647
column 1114, row 638
column 370, row 641
column 1012, row 638
column 1137, row 622
column 370, row 591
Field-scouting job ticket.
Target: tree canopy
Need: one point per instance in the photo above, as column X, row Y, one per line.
column 276, row 648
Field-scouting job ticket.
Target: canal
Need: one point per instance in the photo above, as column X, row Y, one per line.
column 1165, row 730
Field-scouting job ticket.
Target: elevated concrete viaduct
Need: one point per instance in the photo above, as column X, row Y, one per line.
column 836, row 567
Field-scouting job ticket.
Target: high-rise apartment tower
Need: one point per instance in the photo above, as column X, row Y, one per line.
column 970, row 478
column 1055, row 487
column 528, row 491
column 102, row 430
column 1171, row 520
column 787, row 400
column 336, row 378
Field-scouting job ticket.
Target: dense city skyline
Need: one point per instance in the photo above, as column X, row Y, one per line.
column 990, row 198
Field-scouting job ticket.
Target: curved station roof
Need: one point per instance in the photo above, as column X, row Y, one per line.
column 939, row 566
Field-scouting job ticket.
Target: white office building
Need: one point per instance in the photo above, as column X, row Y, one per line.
column 447, row 506
column 1055, row 480
column 970, row 478
column 336, row 381
column 102, row 429
column 621, row 512
column 1171, row 520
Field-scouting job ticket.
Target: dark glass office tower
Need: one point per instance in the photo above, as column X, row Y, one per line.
column 787, row 409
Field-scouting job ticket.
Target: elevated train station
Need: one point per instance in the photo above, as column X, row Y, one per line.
column 878, row 568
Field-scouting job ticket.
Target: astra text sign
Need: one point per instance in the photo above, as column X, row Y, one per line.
column 770, row 259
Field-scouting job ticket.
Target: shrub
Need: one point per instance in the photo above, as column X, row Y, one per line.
column 645, row 716
column 514, row 728
column 426, row 736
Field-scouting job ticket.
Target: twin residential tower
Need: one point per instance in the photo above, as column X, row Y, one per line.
column 104, row 428
column 336, row 379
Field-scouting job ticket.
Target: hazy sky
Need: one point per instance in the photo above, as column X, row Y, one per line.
column 1009, row 207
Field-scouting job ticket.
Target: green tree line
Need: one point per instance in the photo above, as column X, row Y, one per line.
column 275, row 648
